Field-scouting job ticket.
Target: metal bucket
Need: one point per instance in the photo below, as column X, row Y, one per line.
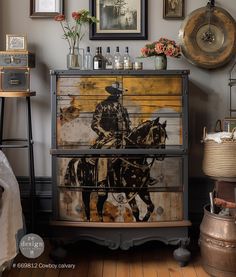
column 218, row 244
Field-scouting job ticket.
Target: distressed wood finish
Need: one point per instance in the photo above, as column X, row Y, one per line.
column 84, row 85
column 168, row 207
column 113, row 165
column 150, row 85
column 168, row 173
column 144, row 98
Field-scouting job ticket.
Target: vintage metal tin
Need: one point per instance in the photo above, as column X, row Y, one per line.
column 218, row 244
column 17, row 59
column 14, row 79
column 138, row 65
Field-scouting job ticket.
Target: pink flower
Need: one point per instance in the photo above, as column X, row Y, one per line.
column 76, row 15
column 159, row 48
column 59, row 17
column 144, row 51
column 170, row 50
column 163, row 46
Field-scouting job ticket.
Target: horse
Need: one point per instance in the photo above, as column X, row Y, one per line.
column 130, row 175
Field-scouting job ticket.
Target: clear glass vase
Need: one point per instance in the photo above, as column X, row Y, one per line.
column 160, row 62
column 73, row 58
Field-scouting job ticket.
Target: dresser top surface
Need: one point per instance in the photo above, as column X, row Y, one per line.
column 118, row 72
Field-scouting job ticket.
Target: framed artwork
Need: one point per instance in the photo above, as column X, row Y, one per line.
column 173, row 9
column 119, row 19
column 16, row 42
column 46, row 8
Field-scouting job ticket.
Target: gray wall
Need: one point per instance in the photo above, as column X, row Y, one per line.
column 208, row 89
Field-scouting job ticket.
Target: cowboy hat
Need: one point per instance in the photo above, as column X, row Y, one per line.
column 114, row 89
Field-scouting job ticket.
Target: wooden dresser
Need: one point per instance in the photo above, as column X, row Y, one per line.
column 120, row 156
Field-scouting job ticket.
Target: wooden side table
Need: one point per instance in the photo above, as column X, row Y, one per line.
column 21, row 143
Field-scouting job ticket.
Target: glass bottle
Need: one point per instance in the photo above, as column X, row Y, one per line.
column 88, row 60
column 127, row 59
column 102, row 57
column 97, row 60
column 108, row 59
column 117, row 55
column 118, row 64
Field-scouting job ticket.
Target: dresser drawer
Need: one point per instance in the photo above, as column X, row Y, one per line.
column 168, row 206
column 147, row 182
column 79, row 117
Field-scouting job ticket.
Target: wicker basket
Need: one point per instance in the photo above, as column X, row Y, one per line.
column 220, row 158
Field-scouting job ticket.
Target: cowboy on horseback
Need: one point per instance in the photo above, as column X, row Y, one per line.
column 111, row 123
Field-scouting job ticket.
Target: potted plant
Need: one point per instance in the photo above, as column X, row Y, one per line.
column 160, row 50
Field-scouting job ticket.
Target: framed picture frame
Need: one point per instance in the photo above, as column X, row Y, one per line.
column 173, row 9
column 16, row 42
column 119, row 20
column 46, row 8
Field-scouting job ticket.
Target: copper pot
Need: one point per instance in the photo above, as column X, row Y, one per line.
column 218, row 244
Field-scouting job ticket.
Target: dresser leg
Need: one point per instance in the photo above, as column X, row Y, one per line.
column 182, row 255
column 58, row 252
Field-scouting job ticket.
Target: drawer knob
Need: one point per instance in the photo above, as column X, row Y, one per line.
column 160, row 210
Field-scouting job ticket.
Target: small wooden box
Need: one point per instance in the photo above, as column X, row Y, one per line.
column 17, row 59
column 14, row 79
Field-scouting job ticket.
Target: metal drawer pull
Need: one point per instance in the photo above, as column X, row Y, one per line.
column 160, row 210
column 14, row 82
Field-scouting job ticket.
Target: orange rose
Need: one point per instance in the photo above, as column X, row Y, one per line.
column 76, row 15
column 159, row 48
column 59, row 17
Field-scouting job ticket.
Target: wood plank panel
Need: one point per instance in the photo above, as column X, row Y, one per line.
column 84, row 85
column 161, row 264
column 122, row 266
column 81, row 268
column 189, row 270
column 173, row 266
column 152, row 104
column 153, row 85
column 136, row 268
column 50, row 272
column 95, row 266
column 198, row 268
column 41, row 260
column 109, row 264
column 149, row 265
column 138, row 262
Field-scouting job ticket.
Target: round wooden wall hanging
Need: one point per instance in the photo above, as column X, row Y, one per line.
column 208, row 37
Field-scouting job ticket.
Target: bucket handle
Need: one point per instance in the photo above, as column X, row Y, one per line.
column 232, row 134
column 218, row 126
column 204, row 133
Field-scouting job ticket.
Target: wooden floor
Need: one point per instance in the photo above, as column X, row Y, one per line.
column 90, row 260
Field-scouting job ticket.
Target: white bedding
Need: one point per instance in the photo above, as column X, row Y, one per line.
column 220, row 136
column 10, row 212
